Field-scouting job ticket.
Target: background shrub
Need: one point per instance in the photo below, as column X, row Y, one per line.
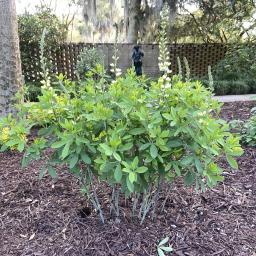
column 225, row 87
column 88, row 59
column 236, row 73
column 32, row 91
column 31, row 28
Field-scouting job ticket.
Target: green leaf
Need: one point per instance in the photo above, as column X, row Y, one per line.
column 125, row 147
column 132, row 177
column 164, row 241
column 160, row 159
column 167, row 249
column 177, row 169
column 25, row 161
column 130, row 185
column 42, row 173
column 127, row 170
column 52, row 172
column 11, row 143
column 160, row 252
column 165, row 134
column 232, row 162
column 126, row 164
column 86, row 159
column 167, row 116
column 117, row 157
column 107, row 149
column 153, row 151
column 65, row 151
column 198, row 166
column 21, row 146
column 135, row 163
column 58, row 144
column 186, row 161
column 144, row 146
column 142, row 169
column 174, row 143
column 137, row 131
column 189, row 178
column 73, row 161
column 76, row 171
column 118, row 173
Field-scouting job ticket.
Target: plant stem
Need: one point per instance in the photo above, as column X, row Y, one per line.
column 166, row 198
column 135, row 202
column 95, row 199
column 156, row 197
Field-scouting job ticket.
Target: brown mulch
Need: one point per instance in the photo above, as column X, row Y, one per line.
column 43, row 218
column 237, row 110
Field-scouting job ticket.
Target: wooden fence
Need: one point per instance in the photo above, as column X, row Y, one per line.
column 64, row 58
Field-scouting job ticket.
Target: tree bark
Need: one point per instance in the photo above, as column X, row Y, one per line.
column 10, row 63
column 126, row 17
column 172, row 17
column 134, row 19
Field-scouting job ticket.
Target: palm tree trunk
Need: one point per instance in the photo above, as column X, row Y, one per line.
column 10, row 63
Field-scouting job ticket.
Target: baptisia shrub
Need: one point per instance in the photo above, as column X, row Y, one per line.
column 132, row 138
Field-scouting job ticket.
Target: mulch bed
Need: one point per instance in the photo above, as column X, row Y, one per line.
column 44, row 217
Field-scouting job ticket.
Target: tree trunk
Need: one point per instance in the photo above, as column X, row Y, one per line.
column 10, row 63
column 134, row 19
column 126, row 17
column 173, row 10
column 90, row 11
column 172, row 17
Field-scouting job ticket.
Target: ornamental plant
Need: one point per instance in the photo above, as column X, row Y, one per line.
column 133, row 139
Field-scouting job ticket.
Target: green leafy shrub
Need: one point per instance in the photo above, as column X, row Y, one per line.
column 133, row 139
column 88, row 59
column 247, row 129
column 236, row 73
column 226, row 87
column 31, row 27
column 32, row 91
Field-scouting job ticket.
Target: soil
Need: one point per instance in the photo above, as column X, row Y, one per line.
column 52, row 218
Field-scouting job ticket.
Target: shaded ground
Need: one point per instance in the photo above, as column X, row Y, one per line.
column 42, row 218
